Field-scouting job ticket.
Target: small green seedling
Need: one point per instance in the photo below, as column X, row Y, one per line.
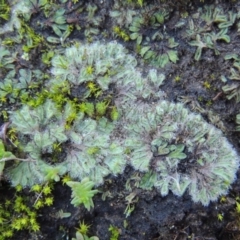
column 82, row 193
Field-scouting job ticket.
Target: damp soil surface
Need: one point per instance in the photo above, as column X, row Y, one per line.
column 152, row 216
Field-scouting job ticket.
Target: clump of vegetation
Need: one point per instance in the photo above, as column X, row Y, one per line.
column 82, row 233
column 121, row 33
column 21, row 85
column 19, row 212
column 94, row 63
column 167, row 138
column 150, row 18
column 114, row 232
column 232, row 89
column 82, row 193
column 53, row 116
column 4, row 10
column 161, row 52
column 94, row 150
column 209, row 28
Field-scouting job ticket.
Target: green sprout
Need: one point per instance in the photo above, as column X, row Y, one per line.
column 82, row 193
column 114, row 232
column 220, row 217
column 160, row 53
column 232, row 89
column 5, row 10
